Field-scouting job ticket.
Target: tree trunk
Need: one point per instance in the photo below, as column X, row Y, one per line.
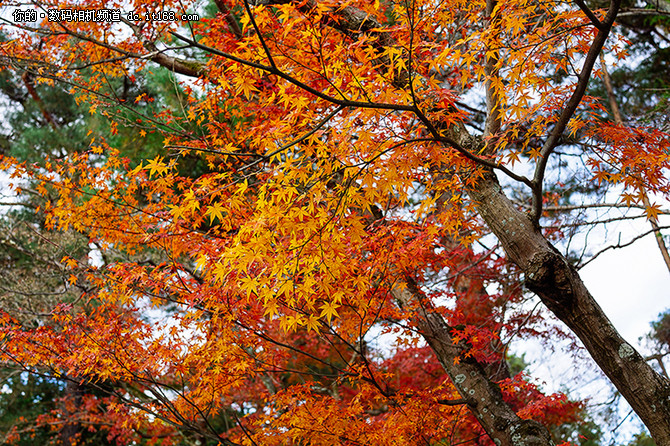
column 481, row 395
column 69, row 433
column 560, row 288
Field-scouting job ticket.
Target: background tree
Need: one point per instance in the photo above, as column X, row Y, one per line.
column 46, row 123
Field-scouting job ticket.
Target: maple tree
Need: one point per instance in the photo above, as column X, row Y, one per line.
column 347, row 186
column 47, row 121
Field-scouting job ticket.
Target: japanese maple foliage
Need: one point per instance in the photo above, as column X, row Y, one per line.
column 347, row 191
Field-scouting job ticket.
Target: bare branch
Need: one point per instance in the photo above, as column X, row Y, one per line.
column 592, row 17
column 621, row 245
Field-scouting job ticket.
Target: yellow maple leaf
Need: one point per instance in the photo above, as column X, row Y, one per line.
column 329, row 310
column 312, row 323
column 69, row 262
column 215, row 211
column 652, row 211
column 156, row 165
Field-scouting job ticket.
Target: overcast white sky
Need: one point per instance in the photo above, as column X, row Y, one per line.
column 631, row 284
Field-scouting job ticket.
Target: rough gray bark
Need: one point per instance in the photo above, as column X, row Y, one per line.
column 481, row 395
column 560, row 288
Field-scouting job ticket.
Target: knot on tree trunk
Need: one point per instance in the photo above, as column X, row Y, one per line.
column 550, row 276
column 530, row 433
column 518, row 432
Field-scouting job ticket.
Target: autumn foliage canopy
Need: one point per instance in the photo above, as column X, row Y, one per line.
column 336, row 240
